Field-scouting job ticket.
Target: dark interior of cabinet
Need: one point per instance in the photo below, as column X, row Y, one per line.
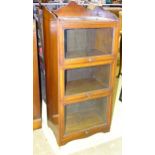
column 84, row 115
column 88, row 42
column 86, row 79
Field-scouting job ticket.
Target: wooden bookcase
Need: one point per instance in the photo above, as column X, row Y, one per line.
column 36, row 85
column 81, row 49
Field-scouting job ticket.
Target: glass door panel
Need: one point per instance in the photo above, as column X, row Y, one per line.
column 86, row 79
column 84, row 115
column 88, row 42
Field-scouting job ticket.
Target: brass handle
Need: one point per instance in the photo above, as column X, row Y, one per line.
column 87, row 94
column 90, row 59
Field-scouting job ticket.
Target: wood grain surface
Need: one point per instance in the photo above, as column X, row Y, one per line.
column 81, row 48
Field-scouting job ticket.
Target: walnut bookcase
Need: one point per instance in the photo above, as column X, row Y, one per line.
column 81, row 48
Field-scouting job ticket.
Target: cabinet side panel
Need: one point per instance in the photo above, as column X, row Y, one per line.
column 51, row 65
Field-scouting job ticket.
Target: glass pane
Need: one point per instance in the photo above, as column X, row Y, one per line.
column 84, row 115
column 88, row 42
column 86, row 79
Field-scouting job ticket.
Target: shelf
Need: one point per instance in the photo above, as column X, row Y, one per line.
column 85, row 115
column 83, row 85
column 86, row 79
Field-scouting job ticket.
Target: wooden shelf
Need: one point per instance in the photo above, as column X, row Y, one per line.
column 81, row 116
column 83, row 85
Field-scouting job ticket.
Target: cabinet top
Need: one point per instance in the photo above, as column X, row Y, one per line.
column 73, row 11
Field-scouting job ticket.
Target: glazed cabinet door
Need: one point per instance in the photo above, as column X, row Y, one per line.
column 88, row 45
column 88, row 42
column 86, row 79
column 82, row 116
